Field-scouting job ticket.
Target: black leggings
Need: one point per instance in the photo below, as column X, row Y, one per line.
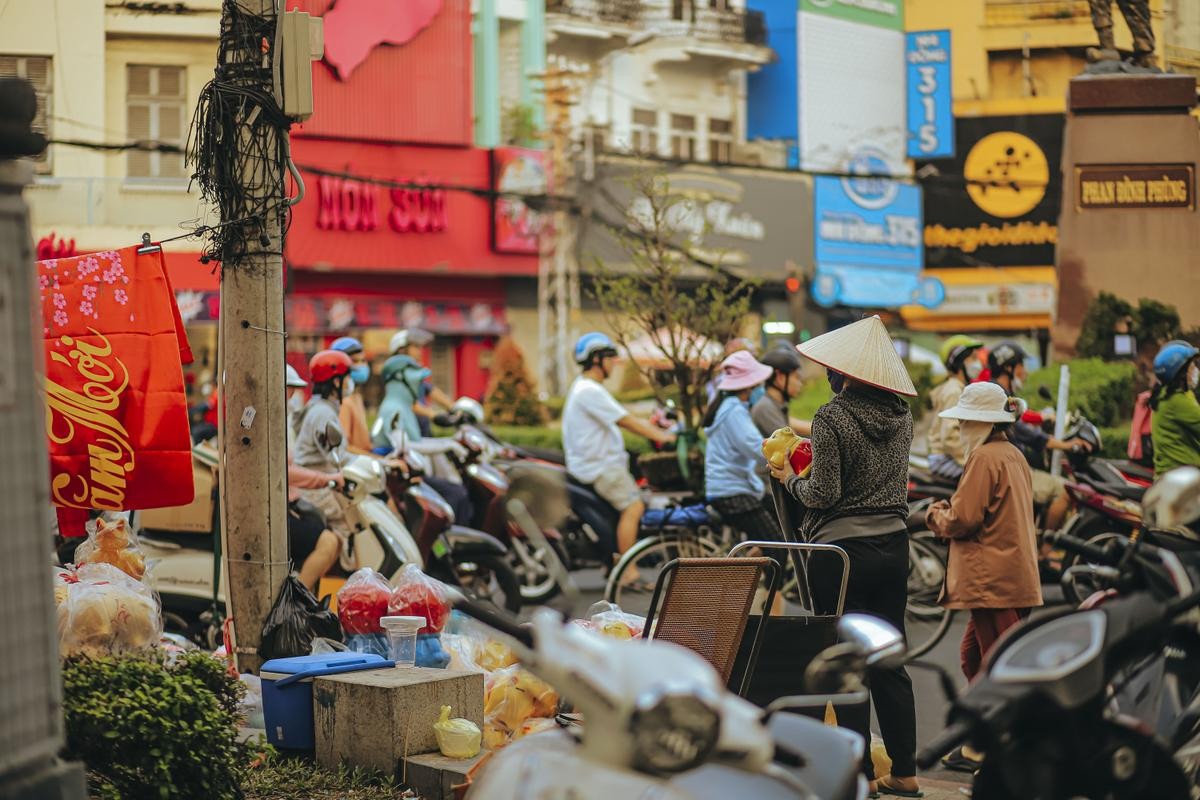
column 878, row 585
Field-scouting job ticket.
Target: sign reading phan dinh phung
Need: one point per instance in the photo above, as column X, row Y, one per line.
column 1134, row 186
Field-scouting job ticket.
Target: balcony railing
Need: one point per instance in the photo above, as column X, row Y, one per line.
column 682, row 19
column 1011, row 12
column 612, row 11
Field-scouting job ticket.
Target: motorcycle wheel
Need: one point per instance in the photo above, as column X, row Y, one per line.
column 489, row 577
column 530, row 564
column 1075, row 592
column 925, row 621
column 631, row 583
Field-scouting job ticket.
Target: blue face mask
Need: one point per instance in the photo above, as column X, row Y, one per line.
column 360, row 372
column 757, row 393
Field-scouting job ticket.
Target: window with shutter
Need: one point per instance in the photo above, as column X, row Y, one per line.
column 36, row 70
column 155, row 108
column 644, row 128
column 683, row 137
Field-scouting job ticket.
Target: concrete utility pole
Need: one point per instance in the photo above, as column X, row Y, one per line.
column 31, row 726
column 253, row 439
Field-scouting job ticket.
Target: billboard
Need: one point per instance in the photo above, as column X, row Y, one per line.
column 930, row 113
column 867, row 233
column 850, row 83
column 516, row 171
column 996, row 203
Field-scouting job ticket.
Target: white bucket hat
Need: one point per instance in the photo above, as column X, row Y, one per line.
column 985, row 402
column 863, row 351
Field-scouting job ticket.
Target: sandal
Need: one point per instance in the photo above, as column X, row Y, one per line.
column 887, row 788
column 958, row 762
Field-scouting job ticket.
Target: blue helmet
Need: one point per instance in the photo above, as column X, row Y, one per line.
column 591, row 344
column 1171, row 359
column 347, row 344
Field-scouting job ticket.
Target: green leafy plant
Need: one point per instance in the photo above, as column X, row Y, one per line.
column 1102, row 390
column 520, row 127
column 1152, row 323
column 148, row 729
column 510, row 398
column 289, row 777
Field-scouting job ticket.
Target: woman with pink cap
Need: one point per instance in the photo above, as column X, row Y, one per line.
column 734, row 451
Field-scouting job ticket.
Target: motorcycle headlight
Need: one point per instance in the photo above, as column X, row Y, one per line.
column 673, row 732
column 1052, row 651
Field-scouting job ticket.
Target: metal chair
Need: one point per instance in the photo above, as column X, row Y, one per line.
column 705, row 605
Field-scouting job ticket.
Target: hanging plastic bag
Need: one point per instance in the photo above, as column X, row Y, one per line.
column 610, row 620
column 362, row 601
column 322, row 646
column 457, row 738
column 418, row 595
column 295, row 620
column 106, row 612
column 110, row 540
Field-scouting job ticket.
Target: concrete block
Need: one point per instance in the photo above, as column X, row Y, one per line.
column 433, row 776
column 374, row 719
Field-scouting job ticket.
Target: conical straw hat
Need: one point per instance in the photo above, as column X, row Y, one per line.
column 862, row 351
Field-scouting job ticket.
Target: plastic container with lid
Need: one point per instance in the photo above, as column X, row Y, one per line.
column 402, row 638
column 287, row 692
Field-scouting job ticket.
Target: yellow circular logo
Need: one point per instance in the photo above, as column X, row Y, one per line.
column 1006, row 174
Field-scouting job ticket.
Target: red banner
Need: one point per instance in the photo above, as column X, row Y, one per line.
column 116, row 414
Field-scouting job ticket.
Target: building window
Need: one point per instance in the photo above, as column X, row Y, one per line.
column 683, row 10
column 683, row 137
column 645, row 131
column 720, row 141
column 155, row 106
column 36, row 70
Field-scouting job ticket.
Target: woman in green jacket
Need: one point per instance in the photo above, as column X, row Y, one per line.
column 1176, row 423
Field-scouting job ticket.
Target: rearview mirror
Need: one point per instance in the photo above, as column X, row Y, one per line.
column 1044, row 393
column 1174, row 499
column 333, row 436
column 879, row 643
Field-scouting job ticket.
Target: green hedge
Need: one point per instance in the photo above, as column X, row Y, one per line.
column 1114, row 441
column 1103, row 391
column 550, row 436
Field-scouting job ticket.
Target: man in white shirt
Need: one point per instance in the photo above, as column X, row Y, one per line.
column 592, row 443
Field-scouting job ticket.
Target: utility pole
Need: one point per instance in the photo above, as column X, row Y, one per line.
column 253, row 439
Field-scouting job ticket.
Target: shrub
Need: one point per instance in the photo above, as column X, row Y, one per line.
column 146, row 729
column 1103, row 391
column 1152, row 324
column 510, row 398
column 550, row 437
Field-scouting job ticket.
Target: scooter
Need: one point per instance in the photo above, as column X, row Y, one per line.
column 1042, row 714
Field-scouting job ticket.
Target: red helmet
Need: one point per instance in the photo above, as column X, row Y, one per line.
column 329, row 364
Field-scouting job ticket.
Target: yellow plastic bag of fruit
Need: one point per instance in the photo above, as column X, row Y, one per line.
column 457, row 738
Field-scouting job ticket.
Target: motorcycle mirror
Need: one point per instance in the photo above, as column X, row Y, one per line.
column 333, row 436
column 879, row 643
column 1044, row 393
column 1174, row 499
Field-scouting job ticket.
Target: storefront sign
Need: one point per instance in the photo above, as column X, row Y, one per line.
column 515, row 226
column 878, row 13
column 930, row 115
column 354, row 28
column 1004, row 298
column 350, row 205
column 996, row 202
column 1134, row 186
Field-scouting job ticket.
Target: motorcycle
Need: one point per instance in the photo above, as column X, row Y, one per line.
column 1043, row 713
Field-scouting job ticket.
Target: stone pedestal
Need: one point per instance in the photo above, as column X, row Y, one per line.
column 1131, row 150
column 376, row 718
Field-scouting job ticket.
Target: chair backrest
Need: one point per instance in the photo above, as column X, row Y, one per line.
column 705, row 604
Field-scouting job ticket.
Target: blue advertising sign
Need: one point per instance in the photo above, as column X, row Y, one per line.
column 930, row 112
column 869, row 245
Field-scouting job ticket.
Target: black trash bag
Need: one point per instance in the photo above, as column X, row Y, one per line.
column 295, row 620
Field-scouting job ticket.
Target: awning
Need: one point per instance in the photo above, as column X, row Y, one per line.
column 989, row 299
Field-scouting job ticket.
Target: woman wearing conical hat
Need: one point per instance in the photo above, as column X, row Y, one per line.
column 856, row 496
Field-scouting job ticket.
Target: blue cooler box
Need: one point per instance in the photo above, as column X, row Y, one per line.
column 287, row 692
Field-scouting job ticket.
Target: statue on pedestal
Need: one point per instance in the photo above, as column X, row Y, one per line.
column 1137, row 17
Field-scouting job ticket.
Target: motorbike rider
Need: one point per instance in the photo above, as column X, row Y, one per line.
column 354, row 412
column 856, row 496
column 1175, row 426
column 592, row 420
column 412, row 342
column 1006, row 363
column 960, row 355
column 310, row 544
column 770, row 412
column 992, row 569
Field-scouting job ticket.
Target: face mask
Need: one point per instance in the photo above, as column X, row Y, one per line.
column 837, row 381
column 1017, row 384
column 296, row 402
column 359, row 373
column 757, row 394
column 1193, row 376
column 973, row 368
column 973, row 435
column 347, row 387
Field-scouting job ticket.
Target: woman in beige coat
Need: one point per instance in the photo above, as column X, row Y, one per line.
column 992, row 571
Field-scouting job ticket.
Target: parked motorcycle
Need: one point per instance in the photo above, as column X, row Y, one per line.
column 1043, row 713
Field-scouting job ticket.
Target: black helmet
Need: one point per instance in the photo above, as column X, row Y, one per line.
column 1004, row 355
column 782, row 359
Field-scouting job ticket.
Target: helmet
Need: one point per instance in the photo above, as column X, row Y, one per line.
column 782, row 359
column 413, row 336
column 1004, row 355
column 590, row 344
column 469, row 408
column 1173, row 356
column 329, row 364
column 347, row 344
column 957, row 349
column 292, row 378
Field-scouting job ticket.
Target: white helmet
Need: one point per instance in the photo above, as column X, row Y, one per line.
column 292, row 378
column 469, row 408
column 402, row 339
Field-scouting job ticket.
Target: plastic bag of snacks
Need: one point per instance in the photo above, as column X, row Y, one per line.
column 418, row 595
column 783, row 445
column 105, row 611
column 512, row 696
column 610, row 620
column 111, row 541
column 362, row 600
column 457, row 738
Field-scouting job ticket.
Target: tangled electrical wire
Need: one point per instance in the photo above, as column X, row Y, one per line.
column 239, row 138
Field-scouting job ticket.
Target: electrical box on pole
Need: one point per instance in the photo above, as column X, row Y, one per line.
column 301, row 42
